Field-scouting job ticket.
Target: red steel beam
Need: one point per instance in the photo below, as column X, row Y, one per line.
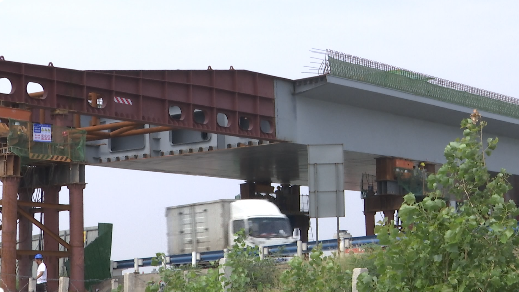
column 146, row 97
column 31, row 253
column 26, row 203
column 15, row 113
column 44, row 253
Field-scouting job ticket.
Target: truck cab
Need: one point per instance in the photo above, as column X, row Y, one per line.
column 262, row 221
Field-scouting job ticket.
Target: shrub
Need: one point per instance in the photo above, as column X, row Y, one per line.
column 442, row 248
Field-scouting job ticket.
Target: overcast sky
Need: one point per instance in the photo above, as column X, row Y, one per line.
column 473, row 42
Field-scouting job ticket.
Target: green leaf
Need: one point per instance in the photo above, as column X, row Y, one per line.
column 409, row 199
column 450, row 236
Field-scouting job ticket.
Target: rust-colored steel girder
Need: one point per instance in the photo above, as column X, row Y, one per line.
column 169, row 98
column 15, row 113
column 44, row 253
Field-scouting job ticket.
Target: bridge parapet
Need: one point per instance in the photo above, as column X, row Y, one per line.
column 359, row 69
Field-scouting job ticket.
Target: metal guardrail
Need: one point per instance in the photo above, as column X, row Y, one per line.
column 211, row 256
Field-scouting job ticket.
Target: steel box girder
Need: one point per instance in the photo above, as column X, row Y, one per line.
column 238, row 94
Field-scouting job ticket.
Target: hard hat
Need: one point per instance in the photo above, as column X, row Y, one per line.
column 38, row 256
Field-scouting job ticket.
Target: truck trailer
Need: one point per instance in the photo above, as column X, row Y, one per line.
column 211, row 226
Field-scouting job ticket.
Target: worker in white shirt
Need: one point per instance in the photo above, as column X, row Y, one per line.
column 41, row 274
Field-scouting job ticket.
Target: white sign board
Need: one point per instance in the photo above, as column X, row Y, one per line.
column 42, row 133
column 326, row 181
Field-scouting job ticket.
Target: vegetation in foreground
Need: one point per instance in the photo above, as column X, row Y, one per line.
column 249, row 273
column 443, row 248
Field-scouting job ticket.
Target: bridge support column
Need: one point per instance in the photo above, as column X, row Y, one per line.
column 59, row 118
column 25, row 241
column 380, row 203
column 51, row 217
column 77, row 252
column 10, row 177
column 369, row 219
column 390, row 215
column 302, row 222
column 9, row 218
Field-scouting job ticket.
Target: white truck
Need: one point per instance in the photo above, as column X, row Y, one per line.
column 210, row 226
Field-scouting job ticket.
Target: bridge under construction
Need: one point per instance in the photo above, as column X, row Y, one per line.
column 358, row 125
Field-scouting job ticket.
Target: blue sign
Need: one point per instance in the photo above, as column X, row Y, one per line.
column 42, row 133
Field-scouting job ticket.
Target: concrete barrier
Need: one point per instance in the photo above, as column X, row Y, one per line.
column 63, row 284
column 355, row 275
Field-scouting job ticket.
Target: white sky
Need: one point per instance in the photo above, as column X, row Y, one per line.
column 473, row 42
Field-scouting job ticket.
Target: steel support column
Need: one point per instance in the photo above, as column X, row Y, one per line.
column 301, row 221
column 369, row 218
column 390, row 215
column 51, row 215
column 59, row 118
column 25, row 241
column 77, row 252
column 51, row 221
column 9, row 218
